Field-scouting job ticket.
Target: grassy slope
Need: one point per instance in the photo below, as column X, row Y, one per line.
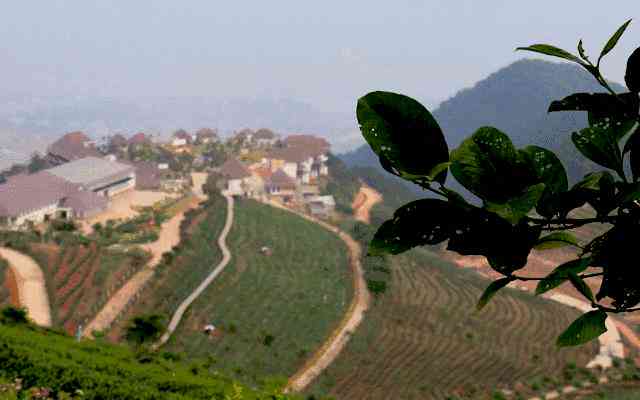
column 297, row 295
column 175, row 280
column 422, row 338
column 43, row 358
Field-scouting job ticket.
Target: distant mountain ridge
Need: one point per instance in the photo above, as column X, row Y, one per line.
column 51, row 117
column 515, row 100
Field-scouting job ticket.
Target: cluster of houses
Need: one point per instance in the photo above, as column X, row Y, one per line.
column 289, row 172
column 80, row 176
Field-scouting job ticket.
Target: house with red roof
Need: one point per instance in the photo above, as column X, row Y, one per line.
column 70, row 147
column 301, row 157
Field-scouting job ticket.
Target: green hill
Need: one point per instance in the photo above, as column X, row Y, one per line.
column 48, row 359
column 515, row 100
column 271, row 311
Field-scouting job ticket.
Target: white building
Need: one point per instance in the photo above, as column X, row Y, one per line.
column 238, row 177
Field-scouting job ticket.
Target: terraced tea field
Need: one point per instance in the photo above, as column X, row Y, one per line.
column 423, row 339
column 271, row 311
column 80, row 279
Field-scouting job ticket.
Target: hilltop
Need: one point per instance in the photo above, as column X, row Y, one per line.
column 515, row 100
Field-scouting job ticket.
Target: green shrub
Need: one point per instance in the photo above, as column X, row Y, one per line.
column 13, row 315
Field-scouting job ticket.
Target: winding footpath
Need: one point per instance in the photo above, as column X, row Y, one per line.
column 32, row 290
column 169, row 237
column 366, row 198
column 336, row 342
column 226, row 257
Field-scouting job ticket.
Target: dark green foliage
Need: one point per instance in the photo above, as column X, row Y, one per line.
column 37, row 163
column 395, row 125
column 13, row 315
column 586, row 328
column 144, row 329
column 632, row 75
column 491, row 290
column 511, row 183
column 376, row 287
column 44, row 358
column 63, row 225
column 342, row 184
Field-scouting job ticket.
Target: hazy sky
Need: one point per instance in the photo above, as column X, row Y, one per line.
column 325, row 52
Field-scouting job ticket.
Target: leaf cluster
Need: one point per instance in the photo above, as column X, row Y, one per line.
column 524, row 197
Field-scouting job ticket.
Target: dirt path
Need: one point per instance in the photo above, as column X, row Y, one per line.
column 226, row 257
column 629, row 334
column 366, row 198
column 32, row 290
column 169, row 237
column 332, row 347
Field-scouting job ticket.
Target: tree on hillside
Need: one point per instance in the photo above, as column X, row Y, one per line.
column 523, row 195
column 13, row 315
column 37, row 163
column 144, row 329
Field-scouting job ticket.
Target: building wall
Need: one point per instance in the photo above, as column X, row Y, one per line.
column 291, row 169
column 36, row 216
column 255, row 185
column 114, row 188
column 179, row 142
column 275, row 165
column 234, row 187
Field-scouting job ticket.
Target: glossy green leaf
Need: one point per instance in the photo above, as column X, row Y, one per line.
column 632, row 146
column 561, row 274
column 489, row 166
column 403, row 133
column 491, row 291
column 555, row 240
column 517, row 208
column 613, row 40
column 505, row 246
column 599, row 146
column 603, row 108
column 421, row 222
column 438, row 170
column 549, row 50
column 632, row 75
column 586, row 328
column 598, row 189
column 581, row 286
column 549, row 170
column 581, row 51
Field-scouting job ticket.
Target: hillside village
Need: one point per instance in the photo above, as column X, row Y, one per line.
column 80, row 178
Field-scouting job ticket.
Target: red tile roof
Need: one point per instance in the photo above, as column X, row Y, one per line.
column 308, row 141
column 73, row 146
column 139, row 138
column 289, row 154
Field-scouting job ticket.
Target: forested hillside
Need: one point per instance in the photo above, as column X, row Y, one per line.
column 515, row 100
